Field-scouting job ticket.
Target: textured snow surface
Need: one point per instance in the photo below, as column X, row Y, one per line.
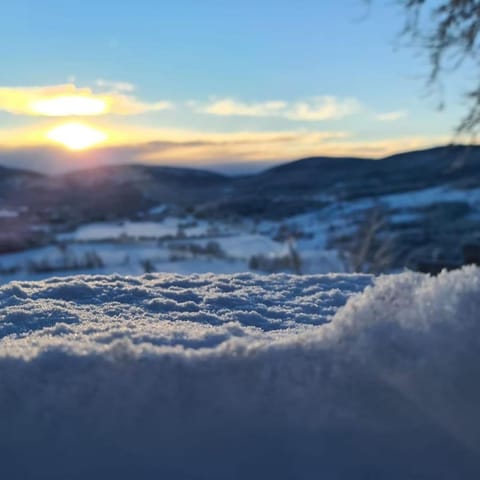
column 241, row 376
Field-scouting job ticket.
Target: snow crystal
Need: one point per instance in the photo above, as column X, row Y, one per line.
column 241, row 376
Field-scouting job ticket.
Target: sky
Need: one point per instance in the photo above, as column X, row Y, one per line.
column 214, row 82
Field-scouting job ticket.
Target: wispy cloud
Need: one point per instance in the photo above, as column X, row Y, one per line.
column 309, row 110
column 24, row 147
column 323, row 108
column 391, row 116
column 229, row 107
column 71, row 100
column 115, row 86
column 276, row 147
column 240, row 146
column 179, row 144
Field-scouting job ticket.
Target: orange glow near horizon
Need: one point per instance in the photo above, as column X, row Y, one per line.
column 69, row 105
column 76, row 136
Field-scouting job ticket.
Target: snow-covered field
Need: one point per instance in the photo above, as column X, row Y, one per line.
column 172, row 244
column 168, row 241
column 241, row 376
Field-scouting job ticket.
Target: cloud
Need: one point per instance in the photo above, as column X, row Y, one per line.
column 115, row 86
column 197, row 148
column 70, row 100
column 230, row 107
column 29, row 146
column 391, row 116
column 24, row 147
column 323, row 108
column 238, row 146
column 310, row 110
column 117, row 98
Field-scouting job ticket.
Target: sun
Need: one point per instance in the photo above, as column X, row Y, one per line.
column 76, row 136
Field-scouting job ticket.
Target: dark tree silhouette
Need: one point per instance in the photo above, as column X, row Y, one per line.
column 448, row 30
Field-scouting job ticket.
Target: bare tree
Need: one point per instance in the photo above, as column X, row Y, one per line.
column 448, row 31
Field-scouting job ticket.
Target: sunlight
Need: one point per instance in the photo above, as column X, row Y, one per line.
column 76, row 136
column 69, row 105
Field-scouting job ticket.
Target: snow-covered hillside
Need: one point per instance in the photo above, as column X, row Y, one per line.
column 241, row 376
column 418, row 210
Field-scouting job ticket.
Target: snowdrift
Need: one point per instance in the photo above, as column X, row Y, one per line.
column 241, row 376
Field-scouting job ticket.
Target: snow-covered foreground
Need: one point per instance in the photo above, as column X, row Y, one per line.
column 241, row 376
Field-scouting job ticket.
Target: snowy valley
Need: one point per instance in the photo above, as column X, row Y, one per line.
column 303, row 217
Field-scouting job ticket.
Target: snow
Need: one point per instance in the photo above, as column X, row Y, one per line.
column 241, row 376
column 104, row 231
column 158, row 210
column 125, row 247
column 121, row 258
column 246, row 245
column 130, row 229
column 8, row 213
column 404, row 217
column 429, row 196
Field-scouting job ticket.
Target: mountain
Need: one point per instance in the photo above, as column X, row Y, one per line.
column 12, row 178
column 14, row 183
column 132, row 187
column 124, row 189
column 307, row 175
column 32, row 204
column 359, row 177
column 112, row 190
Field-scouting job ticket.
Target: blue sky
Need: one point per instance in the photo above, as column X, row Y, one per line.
column 226, row 74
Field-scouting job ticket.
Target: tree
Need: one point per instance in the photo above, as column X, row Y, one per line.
column 449, row 32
